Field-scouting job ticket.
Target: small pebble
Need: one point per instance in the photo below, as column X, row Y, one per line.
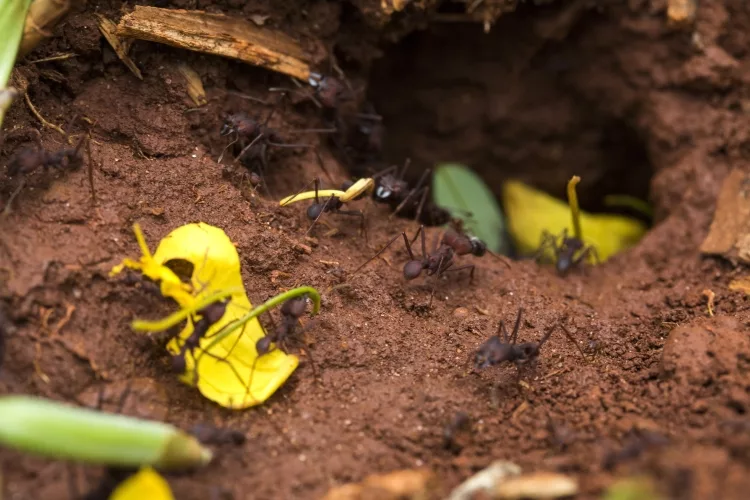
column 460, row 312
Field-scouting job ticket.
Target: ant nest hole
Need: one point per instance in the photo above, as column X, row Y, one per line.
column 538, row 99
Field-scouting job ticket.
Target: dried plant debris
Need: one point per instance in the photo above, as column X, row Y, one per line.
column 194, row 84
column 729, row 235
column 121, row 47
column 219, row 35
column 42, row 17
column 413, row 484
column 681, row 12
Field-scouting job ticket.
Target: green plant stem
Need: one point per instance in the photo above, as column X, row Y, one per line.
column 270, row 303
column 58, row 430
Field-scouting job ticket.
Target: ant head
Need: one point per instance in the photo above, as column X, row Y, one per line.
column 295, row 307
column 178, row 364
column 564, row 263
column 229, row 126
column 492, row 352
column 412, row 269
column 314, row 210
column 263, row 345
column 529, row 350
column 330, row 91
column 389, row 187
column 478, row 247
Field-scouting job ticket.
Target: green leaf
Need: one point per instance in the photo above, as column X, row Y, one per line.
column 458, row 189
column 12, row 18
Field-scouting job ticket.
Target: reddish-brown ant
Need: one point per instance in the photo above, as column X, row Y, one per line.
column 254, row 138
column 457, row 433
column 495, row 350
column 31, row 158
column 332, row 200
column 209, row 316
column 570, row 252
column 438, row 262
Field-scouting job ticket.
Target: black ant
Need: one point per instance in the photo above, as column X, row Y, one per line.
column 436, row 263
column 31, row 158
column 210, row 314
column 209, row 434
column 350, row 191
column 254, row 138
column 391, row 189
column 495, row 351
column 286, row 332
column 570, row 253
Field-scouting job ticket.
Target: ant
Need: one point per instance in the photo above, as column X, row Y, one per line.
column 569, row 253
column 391, row 189
column 495, row 351
column 255, row 138
column 31, row 158
column 287, row 331
column 210, row 315
column 209, row 434
column 438, row 262
column 334, row 200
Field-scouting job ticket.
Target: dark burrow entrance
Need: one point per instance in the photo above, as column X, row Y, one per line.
column 510, row 104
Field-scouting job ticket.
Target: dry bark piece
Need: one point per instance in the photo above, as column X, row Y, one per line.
column 729, row 235
column 537, row 485
column 219, row 35
column 121, row 47
column 43, row 15
column 485, row 481
column 194, row 84
column 411, row 484
column 682, row 12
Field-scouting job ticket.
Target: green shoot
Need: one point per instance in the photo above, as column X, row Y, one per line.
column 58, row 430
column 269, row 304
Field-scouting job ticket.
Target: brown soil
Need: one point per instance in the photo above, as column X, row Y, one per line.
column 611, row 93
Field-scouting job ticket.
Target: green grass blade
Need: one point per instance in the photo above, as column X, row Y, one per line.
column 12, row 19
column 58, row 430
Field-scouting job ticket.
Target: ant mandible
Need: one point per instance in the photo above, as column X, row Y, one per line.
column 570, row 252
column 495, row 350
column 210, row 315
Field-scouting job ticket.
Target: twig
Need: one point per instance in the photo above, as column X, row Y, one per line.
column 40, row 117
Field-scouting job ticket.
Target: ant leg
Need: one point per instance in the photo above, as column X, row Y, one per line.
column 91, row 169
column 356, row 213
column 407, row 163
column 246, row 148
column 383, row 250
column 264, row 168
column 438, row 273
column 322, row 210
column 304, row 189
column 461, row 268
column 383, row 172
column 13, row 195
column 417, row 188
column 501, row 330
column 573, row 340
column 424, row 245
column 516, row 326
column 221, row 156
column 422, row 203
column 322, row 165
column 401, row 205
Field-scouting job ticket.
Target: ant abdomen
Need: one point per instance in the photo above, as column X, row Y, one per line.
column 412, row 269
column 314, row 211
column 294, row 308
column 178, row 364
column 263, row 345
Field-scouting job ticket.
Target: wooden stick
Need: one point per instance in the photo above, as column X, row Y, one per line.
column 217, row 34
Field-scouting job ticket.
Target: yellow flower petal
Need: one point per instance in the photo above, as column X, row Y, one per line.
column 309, row 195
column 231, row 374
column 145, row 484
column 530, row 212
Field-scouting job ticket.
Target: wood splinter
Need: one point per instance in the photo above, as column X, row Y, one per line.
column 217, row 34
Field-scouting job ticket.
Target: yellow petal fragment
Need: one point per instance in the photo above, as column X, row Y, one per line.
column 146, row 483
column 231, row 374
column 530, row 212
column 309, row 195
column 360, row 187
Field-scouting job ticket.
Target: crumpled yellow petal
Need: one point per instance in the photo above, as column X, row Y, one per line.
column 236, row 380
column 145, row 484
column 309, row 195
column 529, row 212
